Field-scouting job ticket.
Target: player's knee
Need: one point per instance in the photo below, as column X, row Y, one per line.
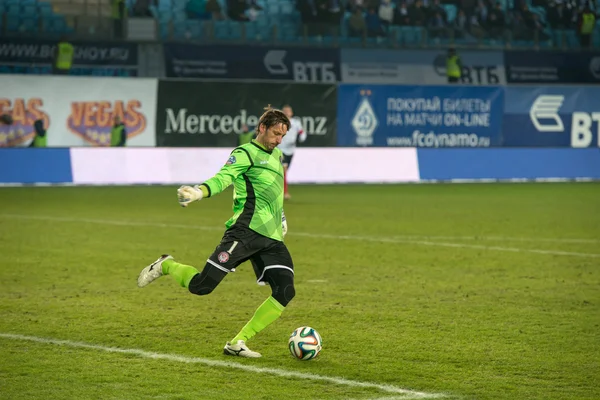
column 205, row 282
column 200, row 287
column 289, row 292
column 283, row 294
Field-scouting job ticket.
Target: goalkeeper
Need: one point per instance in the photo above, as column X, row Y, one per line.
column 254, row 232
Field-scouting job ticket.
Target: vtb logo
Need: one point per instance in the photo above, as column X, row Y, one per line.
column 24, row 113
column 544, row 115
column 93, row 120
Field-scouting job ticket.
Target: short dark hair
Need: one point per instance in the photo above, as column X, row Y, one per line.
column 271, row 117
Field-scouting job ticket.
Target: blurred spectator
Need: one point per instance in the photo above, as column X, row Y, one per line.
column 436, row 8
column 356, row 24
column 374, row 25
column 482, row 13
column 63, row 57
column 352, row 5
column 401, row 16
column 538, row 29
column 461, row 25
column 518, row 27
column 585, row 26
column 335, row 12
column 496, row 22
column 246, row 135
column 40, row 134
column 118, row 133
column 386, row 13
column 141, row 8
column 119, row 13
column 236, row 10
column 558, row 16
column 437, row 26
column 453, row 66
column 417, row 14
column 468, row 6
column 475, row 27
column 6, row 119
column 214, row 8
column 307, row 10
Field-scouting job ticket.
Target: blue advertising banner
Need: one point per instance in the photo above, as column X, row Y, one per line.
column 419, row 67
column 552, row 67
column 508, row 164
column 419, row 116
column 29, row 56
column 246, row 62
column 552, row 116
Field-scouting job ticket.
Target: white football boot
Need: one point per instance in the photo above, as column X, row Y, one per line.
column 240, row 349
column 152, row 271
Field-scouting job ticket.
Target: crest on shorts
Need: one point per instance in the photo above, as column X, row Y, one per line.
column 231, row 160
column 223, row 257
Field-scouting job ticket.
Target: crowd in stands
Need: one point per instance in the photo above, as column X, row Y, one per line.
column 460, row 19
column 473, row 18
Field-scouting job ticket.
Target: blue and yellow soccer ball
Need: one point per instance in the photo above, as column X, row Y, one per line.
column 305, row 343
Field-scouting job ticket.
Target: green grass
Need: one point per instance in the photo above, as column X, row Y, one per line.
column 475, row 323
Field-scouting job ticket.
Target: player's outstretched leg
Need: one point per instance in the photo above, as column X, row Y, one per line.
column 152, row 271
column 282, row 288
column 165, row 265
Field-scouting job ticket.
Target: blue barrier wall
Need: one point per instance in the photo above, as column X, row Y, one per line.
column 152, row 165
column 35, row 165
column 448, row 164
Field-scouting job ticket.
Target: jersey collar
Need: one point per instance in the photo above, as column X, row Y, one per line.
column 260, row 146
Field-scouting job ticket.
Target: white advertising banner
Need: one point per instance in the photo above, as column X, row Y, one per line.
column 77, row 111
column 194, row 165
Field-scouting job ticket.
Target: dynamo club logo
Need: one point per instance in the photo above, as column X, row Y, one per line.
column 364, row 121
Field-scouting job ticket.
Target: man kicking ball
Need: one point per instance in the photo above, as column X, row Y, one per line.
column 254, row 232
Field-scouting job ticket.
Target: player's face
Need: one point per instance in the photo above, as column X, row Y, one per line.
column 288, row 112
column 272, row 137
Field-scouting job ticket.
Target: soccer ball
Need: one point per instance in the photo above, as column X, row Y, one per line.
column 305, row 343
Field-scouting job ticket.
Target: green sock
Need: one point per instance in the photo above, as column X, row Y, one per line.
column 268, row 312
column 182, row 273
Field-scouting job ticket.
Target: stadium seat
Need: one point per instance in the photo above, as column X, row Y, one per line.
column 411, row 35
column 164, row 30
column 180, row 32
column 165, row 17
column 221, row 30
column 45, row 9
column 287, row 8
column 572, row 39
column 287, row 32
column 273, row 9
column 195, row 29
column 29, row 11
column 235, row 30
column 13, row 24
column 29, row 25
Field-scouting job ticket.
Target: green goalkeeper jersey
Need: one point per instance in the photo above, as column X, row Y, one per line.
column 257, row 177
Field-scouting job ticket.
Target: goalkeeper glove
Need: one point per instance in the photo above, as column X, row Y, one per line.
column 283, row 223
column 188, row 194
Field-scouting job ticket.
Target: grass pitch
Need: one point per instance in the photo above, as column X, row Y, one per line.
column 472, row 291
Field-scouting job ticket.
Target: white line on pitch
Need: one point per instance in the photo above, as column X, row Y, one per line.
column 412, row 394
column 374, row 239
